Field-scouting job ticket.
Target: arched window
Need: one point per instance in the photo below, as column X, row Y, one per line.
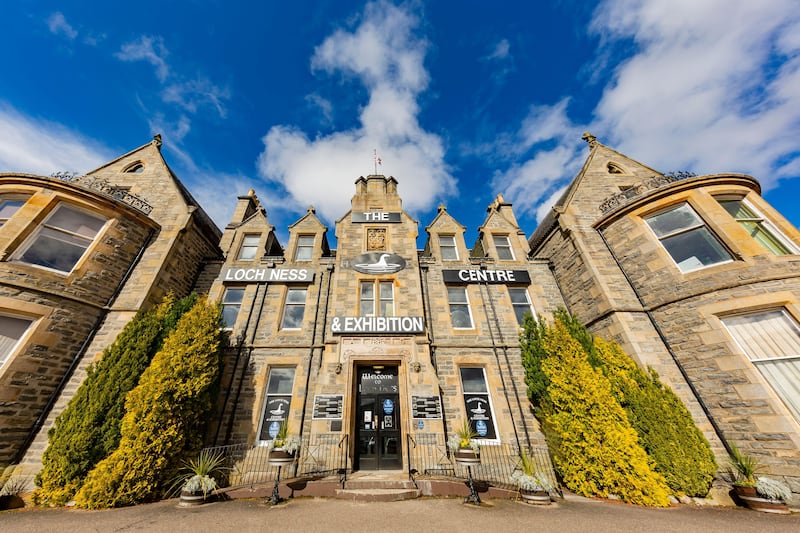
column 136, row 168
column 614, row 168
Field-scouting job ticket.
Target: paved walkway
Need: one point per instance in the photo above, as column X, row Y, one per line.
column 421, row 515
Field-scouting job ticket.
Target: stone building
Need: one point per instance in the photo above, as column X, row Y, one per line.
column 79, row 256
column 697, row 277
column 377, row 350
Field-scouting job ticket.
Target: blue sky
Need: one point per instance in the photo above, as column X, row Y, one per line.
column 461, row 99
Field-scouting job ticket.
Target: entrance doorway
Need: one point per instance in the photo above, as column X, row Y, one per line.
column 379, row 443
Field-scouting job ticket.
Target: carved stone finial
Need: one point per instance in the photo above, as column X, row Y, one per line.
column 311, row 209
column 441, row 208
column 157, row 140
column 251, row 193
column 589, row 138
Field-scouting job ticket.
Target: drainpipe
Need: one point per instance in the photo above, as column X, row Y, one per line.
column 37, row 426
column 496, row 356
column 663, row 338
column 426, row 310
column 329, row 268
column 310, row 359
column 229, row 430
column 242, row 336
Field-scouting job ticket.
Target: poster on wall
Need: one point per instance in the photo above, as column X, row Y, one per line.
column 275, row 413
column 480, row 415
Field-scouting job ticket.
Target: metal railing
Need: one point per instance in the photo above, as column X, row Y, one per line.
column 428, row 457
column 321, row 455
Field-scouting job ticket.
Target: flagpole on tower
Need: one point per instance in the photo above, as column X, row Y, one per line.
column 375, row 160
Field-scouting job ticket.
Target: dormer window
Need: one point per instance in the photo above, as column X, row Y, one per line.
column 249, row 247
column 503, row 246
column 447, row 247
column 305, row 248
column 136, row 168
column 614, row 168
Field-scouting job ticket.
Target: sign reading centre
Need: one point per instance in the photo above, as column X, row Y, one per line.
column 472, row 275
column 272, row 275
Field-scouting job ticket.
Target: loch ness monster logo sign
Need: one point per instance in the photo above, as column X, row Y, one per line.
column 378, row 263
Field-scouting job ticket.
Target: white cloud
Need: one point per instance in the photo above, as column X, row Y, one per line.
column 58, row 25
column 150, row 49
column 501, row 50
column 382, row 53
column 42, row 147
column 192, row 94
column 713, row 85
column 710, row 86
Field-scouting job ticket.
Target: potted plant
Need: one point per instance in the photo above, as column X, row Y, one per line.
column 753, row 491
column 534, row 486
column 283, row 448
column 466, row 450
column 11, row 490
column 195, row 481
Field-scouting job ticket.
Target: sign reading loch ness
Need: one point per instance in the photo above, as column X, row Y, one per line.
column 272, row 275
column 472, row 275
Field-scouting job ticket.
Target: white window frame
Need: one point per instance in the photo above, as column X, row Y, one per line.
column 9, row 345
column 305, row 249
column 527, row 303
column 770, row 338
column 488, row 393
column 698, row 226
column 279, row 395
column 249, row 247
column 456, row 305
column 228, row 303
column 288, row 304
column 452, row 246
column 55, row 232
column 499, row 245
column 379, row 304
column 762, row 223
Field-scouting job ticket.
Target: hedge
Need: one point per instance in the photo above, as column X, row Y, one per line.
column 164, row 415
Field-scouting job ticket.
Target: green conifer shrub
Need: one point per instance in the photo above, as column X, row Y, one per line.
column 87, row 431
column 666, row 429
column 165, row 415
column 595, row 450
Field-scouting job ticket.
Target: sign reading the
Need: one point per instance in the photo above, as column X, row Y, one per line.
column 377, row 324
column 470, row 275
column 375, row 216
column 272, row 275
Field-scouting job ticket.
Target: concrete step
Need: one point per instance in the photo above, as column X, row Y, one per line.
column 377, row 494
column 367, row 484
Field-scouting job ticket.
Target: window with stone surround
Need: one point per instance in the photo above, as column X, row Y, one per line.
column 687, row 238
column 771, row 341
column 460, row 312
column 280, row 385
column 294, row 308
column 521, row 302
column 249, row 247
column 759, row 228
column 231, row 304
column 384, row 303
column 61, row 240
column 448, row 248
column 477, row 401
column 12, row 330
column 10, row 204
column 305, row 248
column 503, row 246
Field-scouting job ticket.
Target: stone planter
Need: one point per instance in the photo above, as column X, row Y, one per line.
column 194, row 498
column 535, row 497
column 467, row 456
column 748, row 497
column 280, row 457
